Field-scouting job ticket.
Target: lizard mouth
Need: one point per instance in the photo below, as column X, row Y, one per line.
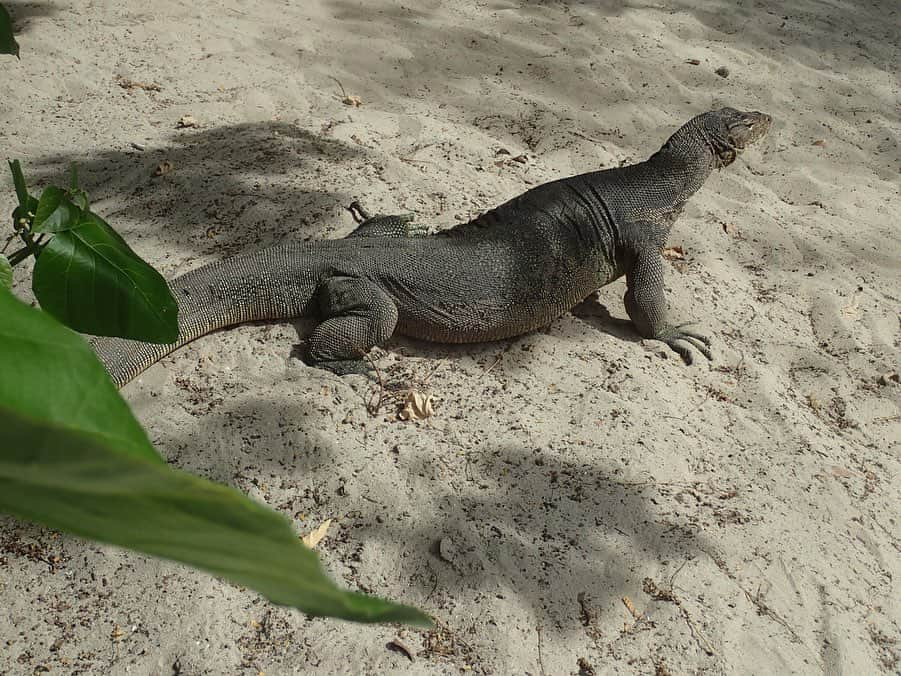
column 746, row 130
column 749, row 129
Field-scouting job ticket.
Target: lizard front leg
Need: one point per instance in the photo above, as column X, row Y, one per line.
column 646, row 305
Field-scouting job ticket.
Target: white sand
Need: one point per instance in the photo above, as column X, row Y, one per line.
column 571, row 463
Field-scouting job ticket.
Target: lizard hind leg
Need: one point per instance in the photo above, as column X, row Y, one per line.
column 382, row 225
column 356, row 315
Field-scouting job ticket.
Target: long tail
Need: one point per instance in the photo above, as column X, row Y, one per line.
column 258, row 286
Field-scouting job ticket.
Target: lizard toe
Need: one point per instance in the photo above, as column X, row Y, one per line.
column 698, row 341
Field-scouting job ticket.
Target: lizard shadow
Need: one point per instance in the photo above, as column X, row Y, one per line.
column 211, row 192
column 590, row 311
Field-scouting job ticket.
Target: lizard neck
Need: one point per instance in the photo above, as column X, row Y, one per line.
column 684, row 163
column 657, row 189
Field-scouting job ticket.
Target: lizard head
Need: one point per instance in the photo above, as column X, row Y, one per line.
column 729, row 131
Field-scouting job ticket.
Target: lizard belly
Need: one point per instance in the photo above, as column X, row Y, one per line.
column 474, row 317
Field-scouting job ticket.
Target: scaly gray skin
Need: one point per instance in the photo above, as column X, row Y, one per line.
column 509, row 271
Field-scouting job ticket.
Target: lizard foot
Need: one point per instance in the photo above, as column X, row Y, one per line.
column 700, row 342
column 345, row 367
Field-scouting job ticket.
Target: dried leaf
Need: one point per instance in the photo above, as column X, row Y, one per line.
column 163, row 168
column 417, row 406
column 693, row 62
column 850, row 310
column 187, row 121
column 731, row 229
column 820, row 142
column 814, row 403
column 631, row 607
column 314, row 538
column 354, row 101
column 889, row 378
column 130, row 85
column 675, row 253
column 399, row 646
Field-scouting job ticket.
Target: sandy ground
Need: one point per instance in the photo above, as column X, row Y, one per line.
column 581, row 500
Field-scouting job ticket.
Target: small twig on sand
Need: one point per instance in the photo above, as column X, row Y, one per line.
column 651, row 588
column 756, row 599
column 426, row 380
column 540, row 661
column 490, row 368
column 371, row 408
column 343, row 93
column 584, row 136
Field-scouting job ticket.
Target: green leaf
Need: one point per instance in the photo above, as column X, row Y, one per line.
column 6, row 273
column 50, row 373
column 79, row 198
column 55, row 212
column 89, row 279
column 8, row 44
column 73, row 457
column 15, row 168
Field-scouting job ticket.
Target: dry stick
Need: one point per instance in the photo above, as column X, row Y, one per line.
column 489, row 369
column 672, row 579
column 540, row 661
column 434, row 371
column 369, row 407
column 410, row 160
column 756, row 600
column 434, row 580
column 699, row 637
column 584, row 136
column 670, row 595
column 343, row 93
column 8, row 242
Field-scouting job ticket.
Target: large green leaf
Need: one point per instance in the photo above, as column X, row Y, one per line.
column 6, row 273
column 73, row 457
column 8, row 44
column 55, row 211
column 89, row 279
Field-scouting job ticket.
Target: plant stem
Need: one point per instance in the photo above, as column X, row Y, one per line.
column 30, row 245
column 18, row 256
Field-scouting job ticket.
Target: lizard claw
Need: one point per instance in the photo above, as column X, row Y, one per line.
column 698, row 341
